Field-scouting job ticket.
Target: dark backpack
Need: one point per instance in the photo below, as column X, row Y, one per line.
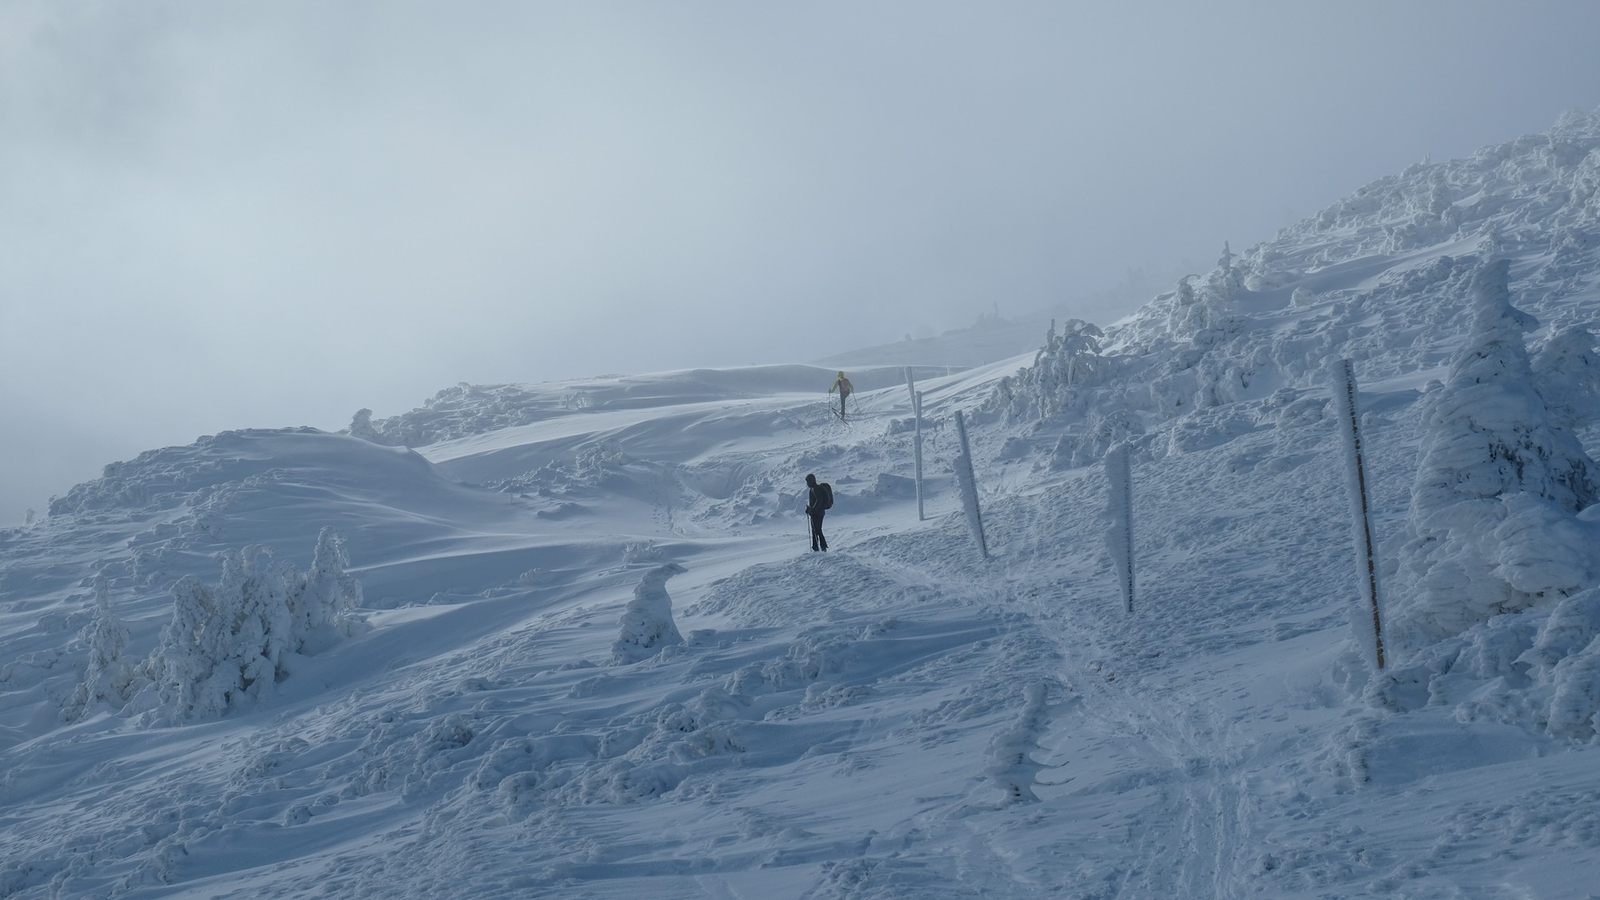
column 825, row 495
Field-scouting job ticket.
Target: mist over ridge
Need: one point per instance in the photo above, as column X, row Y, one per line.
column 274, row 216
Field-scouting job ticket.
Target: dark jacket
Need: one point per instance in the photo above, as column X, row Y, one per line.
column 814, row 503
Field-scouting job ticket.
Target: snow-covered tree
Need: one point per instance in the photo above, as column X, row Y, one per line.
column 1078, row 349
column 1492, row 524
column 1104, row 427
column 107, row 676
column 190, row 664
column 1489, row 431
column 361, row 425
column 265, row 628
column 1185, row 294
column 227, row 642
column 237, row 639
column 1208, row 313
column 1068, row 360
column 647, row 624
column 325, row 601
column 1568, row 374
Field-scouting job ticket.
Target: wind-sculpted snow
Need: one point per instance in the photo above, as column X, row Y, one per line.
column 846, row 586
column 1012, row 766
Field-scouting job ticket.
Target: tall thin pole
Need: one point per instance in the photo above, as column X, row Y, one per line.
column 916, row 446
column 917, row 452
column 1119, row 478
column 1345, row 401
column 969, row 488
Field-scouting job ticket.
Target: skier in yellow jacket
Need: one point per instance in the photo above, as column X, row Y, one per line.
column 843, row 386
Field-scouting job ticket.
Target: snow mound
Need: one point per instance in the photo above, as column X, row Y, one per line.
column 1539, row 671
column 192, row 474
column 647, row 627
column 1011, row 764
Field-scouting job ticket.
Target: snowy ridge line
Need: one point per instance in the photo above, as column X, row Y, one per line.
column 466, row 409
column 1376, row 278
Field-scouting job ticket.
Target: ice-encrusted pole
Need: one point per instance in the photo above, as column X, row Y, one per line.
column 916, row 442
column 969, row 487
column 1348, row 422
column 917, row 452
column 1119, row 510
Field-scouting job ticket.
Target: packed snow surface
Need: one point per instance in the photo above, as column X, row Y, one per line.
column 568, row 640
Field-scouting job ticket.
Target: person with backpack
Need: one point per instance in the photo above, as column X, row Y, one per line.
column 845, row 388
column 818, row 502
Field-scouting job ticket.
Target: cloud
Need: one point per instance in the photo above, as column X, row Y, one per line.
column 268, row 214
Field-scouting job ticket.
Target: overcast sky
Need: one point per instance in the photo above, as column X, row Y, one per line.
column 217, row 215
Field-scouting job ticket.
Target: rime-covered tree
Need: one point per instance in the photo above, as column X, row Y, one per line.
column 361, row 425
column 1078, row 348
column 107, row 675
column 190, row 664
column 265, row 629
column 238, row 639
column 326, row 598
column 1568, row 374
column 1069, row 359
column 646, row 626
column 1488, row 431
column 1499, row 480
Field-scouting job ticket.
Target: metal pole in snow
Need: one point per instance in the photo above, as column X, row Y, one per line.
column 969, row 487
column 917, row 453
column 1345, row 402
column 916, row 446
column 1119, row 477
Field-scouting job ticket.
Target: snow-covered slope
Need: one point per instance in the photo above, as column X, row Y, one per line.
column 988, row 340
column 542, row 704
column 476, row 409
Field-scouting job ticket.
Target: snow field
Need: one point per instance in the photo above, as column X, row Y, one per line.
column 897, row 718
